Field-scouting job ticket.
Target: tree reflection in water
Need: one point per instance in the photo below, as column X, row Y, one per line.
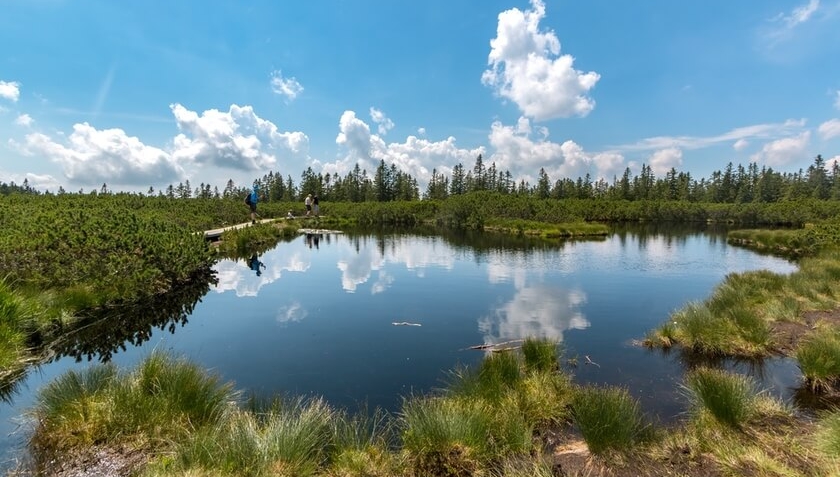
column 101, row 334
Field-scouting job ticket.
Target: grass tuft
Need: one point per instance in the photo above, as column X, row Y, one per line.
column 819, row 360
column 541, row 355
column 728, row 397
column 608, row 419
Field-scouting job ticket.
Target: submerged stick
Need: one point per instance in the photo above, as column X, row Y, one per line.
column 491, row 345
column 405, row 323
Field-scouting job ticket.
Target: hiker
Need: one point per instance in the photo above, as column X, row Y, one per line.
column 251, row 200
column 315, row 207
column 308, row 203
column 255, row 264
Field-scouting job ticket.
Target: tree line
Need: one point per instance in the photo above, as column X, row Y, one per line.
column 734, row 184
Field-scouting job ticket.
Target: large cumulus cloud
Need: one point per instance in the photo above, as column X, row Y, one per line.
column 526, row 67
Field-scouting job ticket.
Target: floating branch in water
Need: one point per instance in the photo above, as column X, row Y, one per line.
column 501, row 350
column 405, row 323
column 492, row 346
column 589, row 361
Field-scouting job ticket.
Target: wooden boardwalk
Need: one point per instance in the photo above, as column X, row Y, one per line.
column 216, row 233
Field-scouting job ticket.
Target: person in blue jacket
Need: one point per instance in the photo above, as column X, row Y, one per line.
column 251, row 200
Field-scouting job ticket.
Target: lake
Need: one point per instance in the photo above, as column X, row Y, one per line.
column 316, row 315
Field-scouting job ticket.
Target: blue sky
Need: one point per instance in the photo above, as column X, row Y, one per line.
column 140, row 94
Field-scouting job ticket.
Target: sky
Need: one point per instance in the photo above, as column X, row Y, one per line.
column 146, row 94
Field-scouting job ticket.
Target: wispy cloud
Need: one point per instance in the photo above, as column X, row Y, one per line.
column 837, row 99
column 767, row 131
column 104, row 89
column 384, row 123
column 829, row 129
column 290, row 88
column 781, row 27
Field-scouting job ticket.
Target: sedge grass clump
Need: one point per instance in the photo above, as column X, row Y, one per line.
column 164, row 399
column 362, row 443
column 497, row 373
column 728, row 397
column 819, row 359
column 542, row 399
column 700, row 330
column 292, row 439
column 752, row 330
column 827, row 436
column 540, row 355
column 18, row 317
column 459, row 437
column 608, row 418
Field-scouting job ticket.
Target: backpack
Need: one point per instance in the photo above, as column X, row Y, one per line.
column 248, row 198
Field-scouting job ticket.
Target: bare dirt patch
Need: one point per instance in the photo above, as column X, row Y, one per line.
column 788, row 334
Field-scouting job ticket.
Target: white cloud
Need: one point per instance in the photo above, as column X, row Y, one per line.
column 10, row 90
column 517, row 152
column 91, row 156
column 288, row 87
column 784, row 151
column 421, row 131
column 781, row 28
column 292, row 313
column 762, row 131
column 829, row 129
column 415, row 156
column 800, row 14
column 526, row 67
column 383, row 122
column 662, row 161
column 829, row 164
column 40, row 182
column 237, row 139
column 740, row 144
column 24, row 120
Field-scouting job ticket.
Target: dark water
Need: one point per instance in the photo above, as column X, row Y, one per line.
column 315, row 315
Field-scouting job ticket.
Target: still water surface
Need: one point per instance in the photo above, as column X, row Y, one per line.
column 315, row 315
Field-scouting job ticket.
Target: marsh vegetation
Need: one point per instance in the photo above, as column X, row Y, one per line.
column 121, row 265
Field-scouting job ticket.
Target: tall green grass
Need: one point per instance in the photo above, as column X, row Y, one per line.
column 497, row 373
column 819, row 359
column 20, row 317
column 609, row 419
column 728, row 397
column 292, row 439
column 827, row 436
column 363, row 444
column 163, row 399
column 452, row 436
column 540, row 355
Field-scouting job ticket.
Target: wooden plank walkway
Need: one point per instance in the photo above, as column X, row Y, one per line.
column 216, row 233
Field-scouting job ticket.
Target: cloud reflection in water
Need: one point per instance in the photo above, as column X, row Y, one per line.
column 537, row 311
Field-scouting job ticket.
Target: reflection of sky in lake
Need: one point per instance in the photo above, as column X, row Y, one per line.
column 538, row 311
column 318, row 319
